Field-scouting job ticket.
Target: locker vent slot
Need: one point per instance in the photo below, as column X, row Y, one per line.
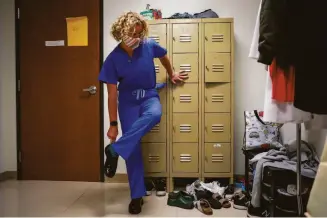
column 157, row 68
column 155, row 38
column 185, row 67
column 185, row 158
column 185, row 128
column 217, row 128
column 218, row 68
column 217, row 158
column 217, row 98
column 217, row 38
column 153, row 158
column 185, row 38
column 185, row 98
column 155, row 129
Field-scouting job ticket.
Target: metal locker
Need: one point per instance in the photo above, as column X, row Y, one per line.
column 186, row 98
column 185, row 158
column 189, row 63
column 185, row 127
column 158, row 132
column 217, row 158
column 154, row 157
column 217, row 97
column 217, row 67
column 185, row 38
column 217, row 37
column 217, row 127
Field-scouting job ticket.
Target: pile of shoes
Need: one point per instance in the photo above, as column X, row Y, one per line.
column 241, row 200
column 159, row 185
column 202, row 196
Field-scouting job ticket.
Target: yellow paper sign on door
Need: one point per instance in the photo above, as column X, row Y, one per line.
column 77, row 31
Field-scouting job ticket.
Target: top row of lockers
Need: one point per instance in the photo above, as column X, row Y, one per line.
column 186, row 37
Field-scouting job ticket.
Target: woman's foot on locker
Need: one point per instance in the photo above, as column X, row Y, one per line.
column 111, row 163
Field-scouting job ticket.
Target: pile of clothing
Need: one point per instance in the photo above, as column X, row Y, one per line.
column 204, row 14
column 207, row 196
column 282, row 158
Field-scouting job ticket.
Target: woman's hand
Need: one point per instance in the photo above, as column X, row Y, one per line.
column 179, row 77
column 112, row 133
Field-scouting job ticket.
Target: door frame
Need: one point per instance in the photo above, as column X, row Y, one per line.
column 18, row 105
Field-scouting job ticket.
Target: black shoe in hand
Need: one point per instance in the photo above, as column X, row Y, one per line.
column 110, row 166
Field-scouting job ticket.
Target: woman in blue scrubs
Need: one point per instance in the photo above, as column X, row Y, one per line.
column 130, row 66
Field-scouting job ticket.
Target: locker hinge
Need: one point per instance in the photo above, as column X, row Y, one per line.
column 18, row 13
column 18, row 85
column 19, row 156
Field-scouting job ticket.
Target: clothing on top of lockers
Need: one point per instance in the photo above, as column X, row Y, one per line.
column 139, row 107
column 294, row 32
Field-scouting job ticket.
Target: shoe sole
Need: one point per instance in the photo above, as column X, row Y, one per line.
column 148, row 193
column 186, row 208
column 110, row 161
column 161, row 193
column 240, row 207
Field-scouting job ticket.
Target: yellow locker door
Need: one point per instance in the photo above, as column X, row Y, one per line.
column 185, row 38
column 217, row 37
column 154, row 157
column 217, row 97
column 189, row 63
column 217, row 67
column 158, row 32
column 185, row 158
column 186, row 98
column 217, row 158
column 185, row 127
column 217, row 127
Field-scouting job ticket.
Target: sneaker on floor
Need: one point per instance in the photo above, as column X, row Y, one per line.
column 149, row 186
column 214, row 188
column 181, row 200
column 241, row 201
column 160, row 187
column 230, row 190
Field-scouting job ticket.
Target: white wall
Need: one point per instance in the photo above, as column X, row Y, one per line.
column 7, row 87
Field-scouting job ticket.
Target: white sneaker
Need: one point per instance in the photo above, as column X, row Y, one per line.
column 214, row 188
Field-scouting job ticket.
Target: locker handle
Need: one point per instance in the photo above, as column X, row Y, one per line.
column 173, row 128
column 206, row 98
column 207, row 68
column 174, row 39
column 206, row 158
column 206, row 38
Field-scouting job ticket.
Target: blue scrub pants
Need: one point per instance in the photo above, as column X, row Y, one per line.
column 139, row 111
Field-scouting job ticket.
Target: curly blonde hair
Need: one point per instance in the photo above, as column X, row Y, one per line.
column 126, row 23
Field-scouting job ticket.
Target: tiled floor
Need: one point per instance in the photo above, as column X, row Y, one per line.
column 76, row 199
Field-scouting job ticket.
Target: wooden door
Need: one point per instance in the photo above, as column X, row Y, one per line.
column 59, row 123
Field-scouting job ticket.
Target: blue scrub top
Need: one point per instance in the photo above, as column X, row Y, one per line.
column 136, row 72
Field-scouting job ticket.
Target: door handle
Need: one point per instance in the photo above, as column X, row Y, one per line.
column 92, row 90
